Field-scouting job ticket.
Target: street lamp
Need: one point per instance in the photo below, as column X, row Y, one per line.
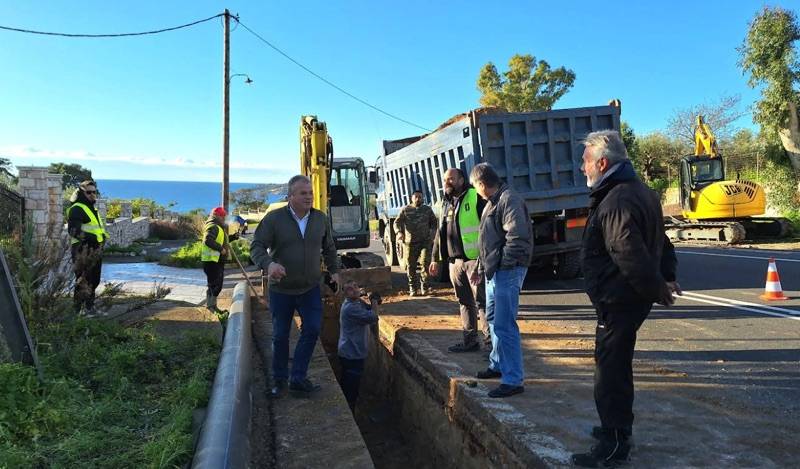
column 226, row 129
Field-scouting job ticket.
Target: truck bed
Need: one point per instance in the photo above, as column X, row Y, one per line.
column 538, row 154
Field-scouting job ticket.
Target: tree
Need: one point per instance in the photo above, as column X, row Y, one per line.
column 719, row 116
column 655, row 154
column 6, row 178
column 72, row 174
column 629, row 139
column 5, row 167
column 251, row 198
column 528, row 85
column 768, row 54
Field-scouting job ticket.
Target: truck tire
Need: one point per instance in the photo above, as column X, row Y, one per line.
column 568, row 265
column 389, row 246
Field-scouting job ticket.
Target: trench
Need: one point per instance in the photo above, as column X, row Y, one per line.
column 413, row 411
column 410, row 412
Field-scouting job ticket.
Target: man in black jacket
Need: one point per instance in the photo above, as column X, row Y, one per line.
column 456, row 242
column 628, row 264
column 87, row 235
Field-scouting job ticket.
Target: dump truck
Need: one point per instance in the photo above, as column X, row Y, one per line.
column 538, row 154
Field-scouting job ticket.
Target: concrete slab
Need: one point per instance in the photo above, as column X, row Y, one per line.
column 315, row 432
column 682, row 420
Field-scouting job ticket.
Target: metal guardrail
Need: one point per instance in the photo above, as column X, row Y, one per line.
column 225, row 436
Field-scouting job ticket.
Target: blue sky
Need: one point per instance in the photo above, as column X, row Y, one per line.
column 150, row 107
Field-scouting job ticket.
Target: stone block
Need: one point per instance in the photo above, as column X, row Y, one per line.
column 38, row 216
column 126, row 210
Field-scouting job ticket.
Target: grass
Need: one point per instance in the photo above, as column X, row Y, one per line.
column 188, row 256
column 112, row 397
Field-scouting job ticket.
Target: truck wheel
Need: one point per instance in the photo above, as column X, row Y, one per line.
column 568, row 265
column 389, row 246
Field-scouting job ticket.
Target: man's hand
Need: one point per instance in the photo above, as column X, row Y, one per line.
column 474, row 278
column 224, row 251
column 433, row 269
column 665, row 295
column 675, row 288
column 276, row 271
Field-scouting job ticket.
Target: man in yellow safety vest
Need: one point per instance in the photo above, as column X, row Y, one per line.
column 214, row 254
column 456, row 242
column 87, row 236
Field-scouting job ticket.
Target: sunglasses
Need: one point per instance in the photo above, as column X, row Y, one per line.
column 91, row 192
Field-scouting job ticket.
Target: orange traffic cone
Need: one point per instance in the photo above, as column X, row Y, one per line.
column 773, row 290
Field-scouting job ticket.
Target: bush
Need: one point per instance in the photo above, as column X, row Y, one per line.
column 188, row 256
column 170, row 230
column 112, row 397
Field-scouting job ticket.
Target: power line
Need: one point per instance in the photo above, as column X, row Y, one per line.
column 328, row 82
column 143, row 33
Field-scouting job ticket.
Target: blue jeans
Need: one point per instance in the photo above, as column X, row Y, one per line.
column 502, row 304
column 283, row 306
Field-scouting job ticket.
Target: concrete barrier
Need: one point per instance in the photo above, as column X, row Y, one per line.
column 225, row 436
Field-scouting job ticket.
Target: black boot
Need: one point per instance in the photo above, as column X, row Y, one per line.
column 612, row 449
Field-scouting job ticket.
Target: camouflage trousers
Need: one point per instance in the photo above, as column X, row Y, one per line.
column 415, row 254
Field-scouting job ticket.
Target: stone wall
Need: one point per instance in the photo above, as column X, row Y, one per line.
column 123, row 232
column 44, row 208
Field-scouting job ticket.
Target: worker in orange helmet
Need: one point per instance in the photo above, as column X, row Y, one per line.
column 214, row 254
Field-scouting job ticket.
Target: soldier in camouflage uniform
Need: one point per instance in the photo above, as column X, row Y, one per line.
column 415, row 227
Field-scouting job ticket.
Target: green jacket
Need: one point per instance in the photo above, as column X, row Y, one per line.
column 278, row 239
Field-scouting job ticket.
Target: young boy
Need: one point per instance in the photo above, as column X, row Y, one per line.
column 354, row 320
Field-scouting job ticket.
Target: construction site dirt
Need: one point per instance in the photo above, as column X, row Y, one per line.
column 691, row 411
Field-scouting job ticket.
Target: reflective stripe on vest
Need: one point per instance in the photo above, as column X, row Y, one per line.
column 95, row 225
column 469, row 223
column 208, row 254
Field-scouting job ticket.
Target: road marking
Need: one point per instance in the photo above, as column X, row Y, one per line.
column 742, row 305
column 746, row 303
column 739, row 256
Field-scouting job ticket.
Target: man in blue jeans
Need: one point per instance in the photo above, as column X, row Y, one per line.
column 506, row 246
column 287, row 245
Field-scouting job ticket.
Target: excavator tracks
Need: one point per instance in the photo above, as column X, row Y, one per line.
column 725, row 232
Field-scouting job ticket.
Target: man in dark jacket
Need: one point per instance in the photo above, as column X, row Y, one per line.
column 456, row 241
column 87, row 236
column 214, row 254
column 628, row 264
column 506, row 247
column 287, row 245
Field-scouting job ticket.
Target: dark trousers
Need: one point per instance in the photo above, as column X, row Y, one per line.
column 615, row 339
column 283, row 306
column 471, row 301
column 87, row 263
column 351, row 379
column 215, row 276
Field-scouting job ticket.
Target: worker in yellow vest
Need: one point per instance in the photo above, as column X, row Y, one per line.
column 456, row 243
column 213, row 255
column 87, row 232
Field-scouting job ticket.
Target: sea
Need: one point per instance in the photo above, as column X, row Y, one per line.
column 186, row 195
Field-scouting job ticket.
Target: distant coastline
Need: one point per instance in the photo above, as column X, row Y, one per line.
column 185, row 195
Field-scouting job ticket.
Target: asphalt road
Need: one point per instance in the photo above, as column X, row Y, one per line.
column 719, row 334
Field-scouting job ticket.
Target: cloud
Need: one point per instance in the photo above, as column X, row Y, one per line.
column 31, row 152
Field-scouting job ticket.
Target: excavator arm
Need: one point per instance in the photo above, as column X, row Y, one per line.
column 316, row 158
column 704, row 141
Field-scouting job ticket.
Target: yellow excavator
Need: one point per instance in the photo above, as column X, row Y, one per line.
column 340, row 191
column 716, row 210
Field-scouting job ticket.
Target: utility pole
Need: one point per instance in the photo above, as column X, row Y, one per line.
column 226, row 83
